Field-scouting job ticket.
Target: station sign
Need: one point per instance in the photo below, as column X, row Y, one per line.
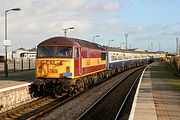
column 6, row 43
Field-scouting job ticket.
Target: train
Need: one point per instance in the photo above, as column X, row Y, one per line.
column 173, row 60
column 71, row 65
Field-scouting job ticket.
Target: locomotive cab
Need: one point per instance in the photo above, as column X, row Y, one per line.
column 57, row 61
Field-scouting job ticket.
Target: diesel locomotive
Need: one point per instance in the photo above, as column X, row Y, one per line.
column 72, row 65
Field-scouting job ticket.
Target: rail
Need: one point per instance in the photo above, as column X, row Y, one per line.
column 101, row 107
column 124, row 101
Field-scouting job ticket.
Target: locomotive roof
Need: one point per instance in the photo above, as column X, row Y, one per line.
column 88, row 44
column 58, row 41
column 64, row 41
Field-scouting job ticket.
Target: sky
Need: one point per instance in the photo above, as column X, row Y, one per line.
column 145, row 22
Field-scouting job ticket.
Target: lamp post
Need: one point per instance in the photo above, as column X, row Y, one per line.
column 6, row 39
column 121, row 44
column 126, row 35
column 65, row 30
column 95, row 37
column 110, row 41
column 177, row 45
column 151, row 47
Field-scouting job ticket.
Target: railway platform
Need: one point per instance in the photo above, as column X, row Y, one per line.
column 15, row 89
column 17, row 78
column 158, row 94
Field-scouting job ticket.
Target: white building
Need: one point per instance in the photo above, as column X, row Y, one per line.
column 24, row 54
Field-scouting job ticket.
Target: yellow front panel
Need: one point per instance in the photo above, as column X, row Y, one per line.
column 53, row 67
column 88, row 62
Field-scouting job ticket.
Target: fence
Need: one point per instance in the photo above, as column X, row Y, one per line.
column 19, row 65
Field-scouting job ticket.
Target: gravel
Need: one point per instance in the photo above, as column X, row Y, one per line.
column 74, row 108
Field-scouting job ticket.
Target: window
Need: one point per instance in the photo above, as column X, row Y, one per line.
column 22, row 55
column 45, row 51
column 76, row 53
column 65, row 52
column 103, row 56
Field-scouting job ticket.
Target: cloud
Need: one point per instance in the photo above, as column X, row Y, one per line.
column 171, row 29
column 103, row 6
column 141, row 29
column 57, row 6
column 160, row 1
column 79, row 25
column 175, row 33
column 111, row 7
column 171, row 25
column 144, row 38
column 32, row 27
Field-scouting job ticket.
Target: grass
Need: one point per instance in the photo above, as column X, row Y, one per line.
column 165, row 71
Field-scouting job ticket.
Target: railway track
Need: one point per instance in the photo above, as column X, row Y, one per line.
column 36, row 109
column 110, row 105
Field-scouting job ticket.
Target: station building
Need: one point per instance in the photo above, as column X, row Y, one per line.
column 21, row 53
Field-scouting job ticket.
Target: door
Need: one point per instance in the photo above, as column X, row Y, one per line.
column 77, row 62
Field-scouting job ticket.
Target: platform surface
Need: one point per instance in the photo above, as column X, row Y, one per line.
column 17, row 78
column 158, row 97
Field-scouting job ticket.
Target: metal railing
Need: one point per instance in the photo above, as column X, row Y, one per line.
column 19, row 65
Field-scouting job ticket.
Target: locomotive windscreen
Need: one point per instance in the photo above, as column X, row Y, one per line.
column 58, row 51
column 65, row 52
column 45, row 51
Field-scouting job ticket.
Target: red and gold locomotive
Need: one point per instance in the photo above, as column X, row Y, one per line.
column 69, row 64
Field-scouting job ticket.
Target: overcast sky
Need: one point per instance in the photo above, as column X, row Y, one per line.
column 145, row 21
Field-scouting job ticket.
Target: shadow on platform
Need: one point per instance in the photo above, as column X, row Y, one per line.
column 27, row 75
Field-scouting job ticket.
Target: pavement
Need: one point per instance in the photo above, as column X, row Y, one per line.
column 158, row 96
column 17, row 78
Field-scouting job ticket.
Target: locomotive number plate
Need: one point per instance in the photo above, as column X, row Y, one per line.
column 53, row 71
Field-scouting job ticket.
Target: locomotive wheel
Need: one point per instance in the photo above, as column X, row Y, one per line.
column 80, row 85
column 107, row 75
column 72, row 91
column 95, row 79
column 98, row 79
column 100, row 75
column 90, row 81
column 119, row 70
column 103, row 76
column 85, row 79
